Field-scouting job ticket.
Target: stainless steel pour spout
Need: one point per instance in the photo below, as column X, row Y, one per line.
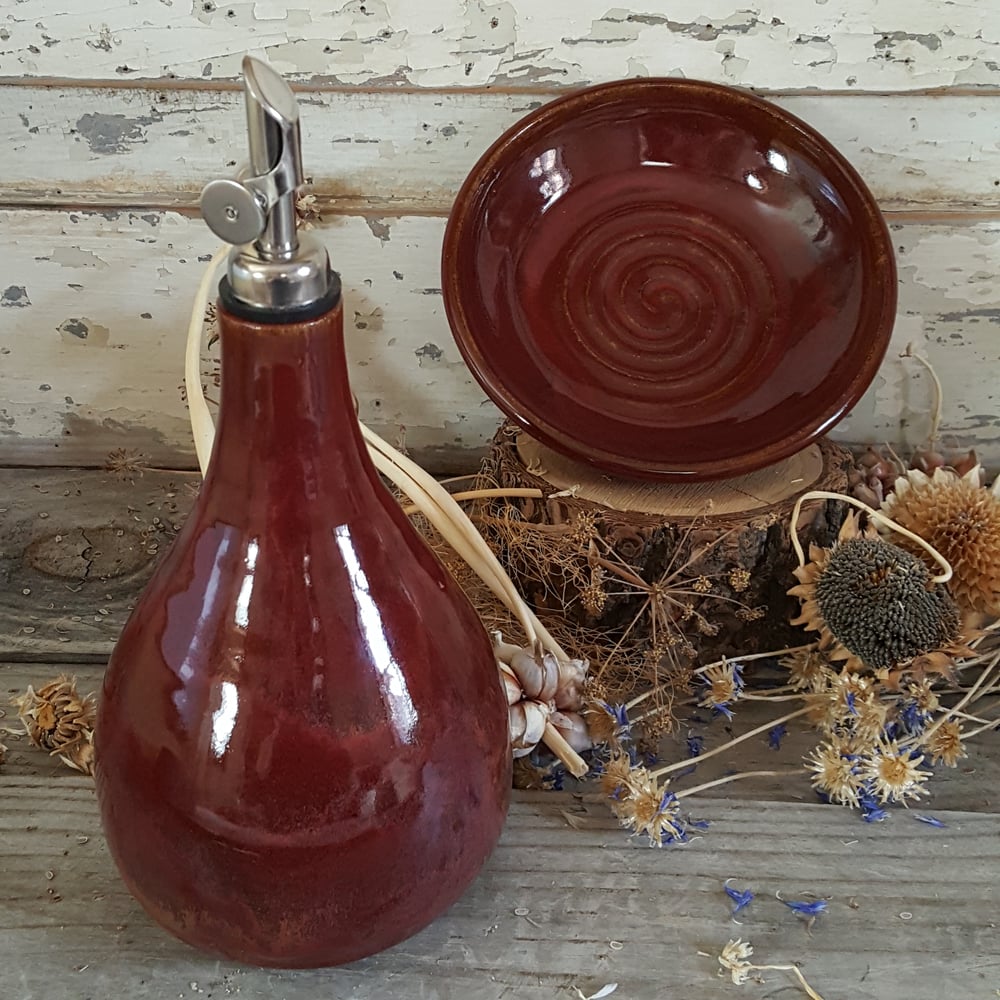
column 273, row 269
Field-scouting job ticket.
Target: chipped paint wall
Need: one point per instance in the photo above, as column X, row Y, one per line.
column 113, row 117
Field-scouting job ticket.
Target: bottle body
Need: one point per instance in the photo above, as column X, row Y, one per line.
column 302, row 742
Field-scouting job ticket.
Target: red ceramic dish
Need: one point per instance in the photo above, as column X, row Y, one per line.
column 669, row 279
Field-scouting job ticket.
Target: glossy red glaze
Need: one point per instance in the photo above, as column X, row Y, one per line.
column 302, row 747
column 669, row 279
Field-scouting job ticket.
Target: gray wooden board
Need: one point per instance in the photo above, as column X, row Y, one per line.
column 910, row 905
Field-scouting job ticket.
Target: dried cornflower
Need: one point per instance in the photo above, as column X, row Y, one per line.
column 808, row 669
column 741, row 898
column 607, row 724
column 893, row 772
column 615, row 776
column 56, row 718
column 651, row 810
column 961, row 519
column 835, row 772
column 945, row 744
column 872, row 603
column 723, row 685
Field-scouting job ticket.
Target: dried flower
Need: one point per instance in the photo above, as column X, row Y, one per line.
column 702, row 585
column 961, row 519
column 741, row 898
column 606, row 723
column 945, row 744
column 56, row 718
column 894, row 773
column 125, row 463
column 695, row 744
column 835, row 772
column 808, row 669
column 872, row 603
column 735, row 959
column 739, row 579
column 871, row 811
column 776, row 735
column 930, row 821
column 723, row 685
column 615, row 775
column 650, row 810
column 806, row 908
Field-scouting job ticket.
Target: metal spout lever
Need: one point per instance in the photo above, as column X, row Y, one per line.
column 273, row 272
column 259, row 205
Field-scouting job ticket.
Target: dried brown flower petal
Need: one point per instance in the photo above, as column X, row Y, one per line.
column 80, row 756
column 125, row 463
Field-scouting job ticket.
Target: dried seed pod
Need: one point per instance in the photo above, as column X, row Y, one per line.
column 56, row 717
column 573, row 728
column 511, row 685
column 966, row 463
column 927, row 460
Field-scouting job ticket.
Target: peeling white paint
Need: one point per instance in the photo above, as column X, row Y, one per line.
column 414, row 150
column 889, row 45
column 405, row 367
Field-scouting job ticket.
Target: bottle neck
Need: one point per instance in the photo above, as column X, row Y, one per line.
column 287, row 420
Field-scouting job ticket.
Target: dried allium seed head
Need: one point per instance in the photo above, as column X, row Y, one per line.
column 961, row 519
column 877, row 601
column 945, row 744
column 751, row 614
column 702, row 585
column 739, row 579
column 55, row 717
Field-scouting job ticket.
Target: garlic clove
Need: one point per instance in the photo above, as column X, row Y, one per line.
column 572, row 678
column 550, row 677
column 529, row 671
column 536, row 715
column 511, row 685
column 573, row 728
column 504, row 651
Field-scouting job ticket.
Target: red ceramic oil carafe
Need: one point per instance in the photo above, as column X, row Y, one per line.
column 302, row 746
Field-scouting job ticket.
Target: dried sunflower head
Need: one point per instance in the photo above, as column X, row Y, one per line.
column 961, row 519
column 872, row 603
column 58, row 719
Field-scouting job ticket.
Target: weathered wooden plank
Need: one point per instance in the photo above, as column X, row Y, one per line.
column 93, row 308
column 909, row 907
column 895, row 44
column 75, row 551
column 378, row 150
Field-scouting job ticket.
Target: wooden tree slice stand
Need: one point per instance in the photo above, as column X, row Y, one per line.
column 738, row 524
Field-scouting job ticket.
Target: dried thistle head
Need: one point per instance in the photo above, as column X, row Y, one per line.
column 893, row 773
column 835, row 771
column 945, row 744
column 961, row 519
column 808, row 669
column 125, row 463
column 58, row 719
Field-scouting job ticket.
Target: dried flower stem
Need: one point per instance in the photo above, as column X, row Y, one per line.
column 810, row 992
column 737, row 777
column 638, row 699
column 877, row 515
column 481, row 495
column 946, row 714
column 938, row 392
column 680, row 764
